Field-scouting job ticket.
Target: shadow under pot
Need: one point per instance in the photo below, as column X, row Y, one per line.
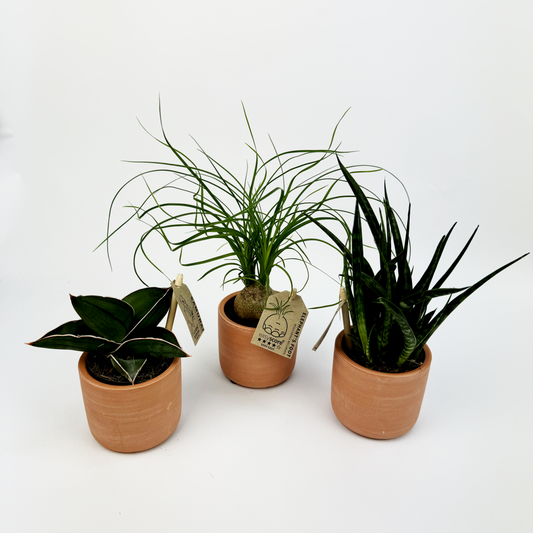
column 132, row 418
column 241, row 361
column 374, row 404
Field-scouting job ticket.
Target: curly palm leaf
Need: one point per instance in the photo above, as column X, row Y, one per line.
column 258, row 217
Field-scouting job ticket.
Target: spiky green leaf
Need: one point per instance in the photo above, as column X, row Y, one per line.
column 447, row 310
column 366, row 208
column 425, row 281
column 359, row 301
column 409, row 337
column 456, row 262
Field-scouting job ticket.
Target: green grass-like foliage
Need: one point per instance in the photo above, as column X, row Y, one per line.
column 257, row 217
column 124, row 330
column 389, row 312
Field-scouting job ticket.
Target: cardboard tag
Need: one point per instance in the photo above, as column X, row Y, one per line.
column 280, row 324
column 189, row 310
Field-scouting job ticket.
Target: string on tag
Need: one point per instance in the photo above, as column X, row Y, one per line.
column 173, row 305
column 346, row 318
column 342, row 305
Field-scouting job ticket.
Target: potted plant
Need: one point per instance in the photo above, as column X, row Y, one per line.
column 381, row 361
column 258, row 219
column 130, row 368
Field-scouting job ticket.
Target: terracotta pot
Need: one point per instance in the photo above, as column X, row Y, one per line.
column 243, row 362
column 132, row 418
column 374, row 404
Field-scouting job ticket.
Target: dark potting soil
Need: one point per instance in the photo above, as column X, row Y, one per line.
column 101, row 369
column 234, row 317
column 359, row 358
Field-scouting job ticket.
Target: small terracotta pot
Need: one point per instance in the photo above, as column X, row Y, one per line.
column 374, row 404
column 245, row 363
column 132, row 418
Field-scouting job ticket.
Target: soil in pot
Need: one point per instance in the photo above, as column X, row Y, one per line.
column 101, row 369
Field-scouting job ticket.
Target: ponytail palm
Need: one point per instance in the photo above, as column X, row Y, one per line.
column 257, row 217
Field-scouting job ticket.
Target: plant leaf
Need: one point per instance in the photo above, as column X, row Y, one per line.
column 455, row 263
column 107, row 317
column 446, row 311
column 410, row 341
column 129, row 368
column 427, row 276
column 425, row 296
column 74, row 335
column 158, row 342
column 150, row 305
column 359, row 303
column 366, row 208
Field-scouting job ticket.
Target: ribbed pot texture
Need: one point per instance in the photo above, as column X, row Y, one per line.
column 376, row 404
column 243, row 362
column 132, row 418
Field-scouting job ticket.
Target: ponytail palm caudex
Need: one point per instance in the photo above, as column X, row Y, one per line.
column 125, row 332
column 389, row 312
column 257, row 218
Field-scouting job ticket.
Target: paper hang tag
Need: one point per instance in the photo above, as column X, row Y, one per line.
column 189, row 310
column 280, row 324
column 323, row 336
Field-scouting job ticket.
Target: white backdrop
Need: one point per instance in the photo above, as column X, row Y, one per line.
column 440, row 94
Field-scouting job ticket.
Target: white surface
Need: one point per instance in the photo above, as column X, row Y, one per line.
column 440, row 95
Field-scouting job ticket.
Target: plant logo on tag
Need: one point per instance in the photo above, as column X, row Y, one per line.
column 189, row 310
column 280, row 324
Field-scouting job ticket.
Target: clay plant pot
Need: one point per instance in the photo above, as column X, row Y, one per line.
column 376, row 404
column 132, row 418
column 244, row 363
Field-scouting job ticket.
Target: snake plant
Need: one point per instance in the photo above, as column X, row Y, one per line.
column 388, row 309
column 125, row 331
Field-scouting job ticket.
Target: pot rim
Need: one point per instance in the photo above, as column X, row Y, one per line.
column 84, row 374
column 424, row 367
column 226, row 318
